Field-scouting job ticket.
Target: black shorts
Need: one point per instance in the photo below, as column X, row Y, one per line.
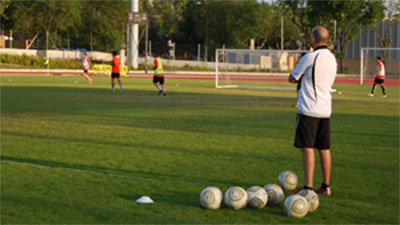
column 312, row 132
column 379, row 81
column 115, row 74
column 85, row 71
column 158, row 79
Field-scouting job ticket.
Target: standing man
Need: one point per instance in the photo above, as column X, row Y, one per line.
column 379, row 77
column 159, row 75
column 316, row 71
column 115, row 72
column 85, row 66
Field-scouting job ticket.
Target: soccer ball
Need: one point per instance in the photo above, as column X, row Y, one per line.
column 288, row 180
column 211, row 198
column 236, row 198
column 258, row 197
column 275, row 194
column 312, row 199
column 296, row 206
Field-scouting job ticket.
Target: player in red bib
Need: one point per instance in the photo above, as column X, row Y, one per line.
column 379, row 77
column 115, row 72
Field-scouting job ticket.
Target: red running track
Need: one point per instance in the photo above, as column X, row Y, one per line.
column 339, row 80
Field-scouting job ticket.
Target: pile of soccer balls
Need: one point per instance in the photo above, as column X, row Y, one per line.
column 296, row 205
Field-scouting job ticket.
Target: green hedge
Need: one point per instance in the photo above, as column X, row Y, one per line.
column 39, row 61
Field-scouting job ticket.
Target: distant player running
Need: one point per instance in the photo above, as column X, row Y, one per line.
column 379, row 77
column 85, row 65
column 159, row 76
column 115, row 72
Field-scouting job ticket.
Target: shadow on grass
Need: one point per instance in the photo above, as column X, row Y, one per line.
column 147, row 97
column 184, row 111
column 130, row 174
column 226, row 155
column 64, row 211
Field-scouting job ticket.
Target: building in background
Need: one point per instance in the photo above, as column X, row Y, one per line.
column 368, row 38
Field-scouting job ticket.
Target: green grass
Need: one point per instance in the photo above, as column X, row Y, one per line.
column 78, row 154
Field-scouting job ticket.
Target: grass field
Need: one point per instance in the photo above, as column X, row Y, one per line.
column 78, row 154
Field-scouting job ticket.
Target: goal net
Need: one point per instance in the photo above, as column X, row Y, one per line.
column 390, row 57
column 245, row 68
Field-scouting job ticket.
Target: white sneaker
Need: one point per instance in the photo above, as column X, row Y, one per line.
column 370, row 95
column 384, row 96
column 112, row 90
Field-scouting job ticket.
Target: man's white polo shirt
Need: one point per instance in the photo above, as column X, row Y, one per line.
column 317, row 71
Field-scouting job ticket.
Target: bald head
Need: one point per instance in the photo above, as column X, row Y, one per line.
column 321, row 35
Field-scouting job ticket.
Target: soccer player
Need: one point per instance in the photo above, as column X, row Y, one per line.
column 316, row 71
column 159, row 76
column 115, row 72
column 379, row 77
column 85, row 65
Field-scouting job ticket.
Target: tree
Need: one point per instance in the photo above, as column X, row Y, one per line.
column 300, row 13
column 232, row 23
column 3, row 6
column 50, row 17
column 392, row 14
column 350, row 17
column 103, row 24
column 171, row 15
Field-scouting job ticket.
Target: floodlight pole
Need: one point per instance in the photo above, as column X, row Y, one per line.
column 146, row 48
column 206, row 44
column 362, row 67
column 11, row 39
column 281, row 32
column 133, row 37
column 47, row 42
column 216, row 68
column 47, row 57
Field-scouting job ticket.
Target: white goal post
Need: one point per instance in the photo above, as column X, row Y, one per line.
column 246, row 68
column 390, row 56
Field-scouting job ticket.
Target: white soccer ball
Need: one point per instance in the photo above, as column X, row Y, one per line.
column 275, row 194
column 296, row 206
column 312, row 199
column 288, row 180
column 236, row 198
column 211, row 198
column 258, row 197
